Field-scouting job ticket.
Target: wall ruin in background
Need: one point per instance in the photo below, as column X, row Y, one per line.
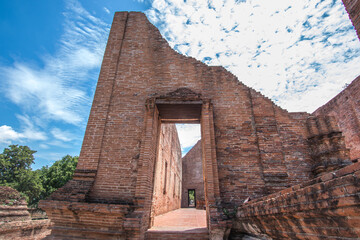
column 193, row 178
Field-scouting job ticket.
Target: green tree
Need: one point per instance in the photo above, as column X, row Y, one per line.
column 13, row 162
column 29, row 184
column 16, row 172
column 58, row 174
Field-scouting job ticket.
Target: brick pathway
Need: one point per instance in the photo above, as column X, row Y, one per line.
column 181, row 219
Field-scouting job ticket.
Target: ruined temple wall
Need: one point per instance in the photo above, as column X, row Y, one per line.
column 147, row 67
column 353, row 9
column 192, row 172
column 281, row 139
column 119, row 149
column 15, row 219
column 326, row 207
column 294, row 145
column 345, row 107
column 167, row 182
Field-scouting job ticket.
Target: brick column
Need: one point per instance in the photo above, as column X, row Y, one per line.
column 216, row 224
column 327, row 145
column 270, row 145
column 91, row 147
column 78, row 188
column 138, row 221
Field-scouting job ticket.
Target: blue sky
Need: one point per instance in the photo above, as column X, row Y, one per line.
column 298, row 53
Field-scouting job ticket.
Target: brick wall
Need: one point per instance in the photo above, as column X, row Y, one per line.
column 192, row 176
column 323, row 208
column 282, row 144
column 143, row 71
column 87, row 220
column 345, row 108
column 25, row 230
column 250, row 146
column 167, row 182
column 10, row 213
column 353, row 9
column 15, row 219
column 327, row 145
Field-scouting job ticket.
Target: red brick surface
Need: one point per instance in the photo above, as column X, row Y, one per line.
column 167, row 185
column 184, row 223
column 25, row 230
column 345, row 107
column 15, row 220
column 197, row 234
column 241, row 132
column 353, row 9
column 324, row 208
column 250, row 147
column 192, row 177
column 180, row 219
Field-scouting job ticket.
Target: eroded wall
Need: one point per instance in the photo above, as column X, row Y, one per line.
column 15, row 219
column 245, row 147
column 167, row 182
column 257, row 147
column 345, row 107
column 192, row 172
column 253, row 147
column 325, row 208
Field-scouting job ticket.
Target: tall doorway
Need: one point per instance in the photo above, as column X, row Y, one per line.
column 179, row 130
column 180, row 107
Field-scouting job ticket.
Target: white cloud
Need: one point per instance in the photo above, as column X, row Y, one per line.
column 29, row 132
column 7, row 134
column 60, row 144
column 298, row 53
column 61, row 90
column 62, row 135
column 106, row 10
column 189, row 134
column 43, row 146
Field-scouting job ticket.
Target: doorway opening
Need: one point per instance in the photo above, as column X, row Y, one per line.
column 192, row 198
column 178, row 163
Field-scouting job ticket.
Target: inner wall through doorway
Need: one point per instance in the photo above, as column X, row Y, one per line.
column 192, row 195
column 173, row 142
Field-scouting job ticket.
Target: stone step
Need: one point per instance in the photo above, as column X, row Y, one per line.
column 193, row 234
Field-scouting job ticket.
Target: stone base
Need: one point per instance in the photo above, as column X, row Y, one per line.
column 25, row 230
column 86, row 220
column 327, row 207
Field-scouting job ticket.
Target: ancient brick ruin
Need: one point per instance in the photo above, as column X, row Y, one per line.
column 345, row 109
column 16, row 222
column 192, row 173
column 267, row 172
column 167, row 179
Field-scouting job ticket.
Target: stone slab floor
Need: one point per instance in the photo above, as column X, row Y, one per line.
column 181, row 219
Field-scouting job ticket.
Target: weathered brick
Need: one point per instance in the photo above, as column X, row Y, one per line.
column 192, row 174
column 16, row 222
column 250, row 148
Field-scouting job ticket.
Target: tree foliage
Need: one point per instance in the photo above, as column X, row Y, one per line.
column 15, row 161
column 16, row 172
column 58, row 174
column 29, row 184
